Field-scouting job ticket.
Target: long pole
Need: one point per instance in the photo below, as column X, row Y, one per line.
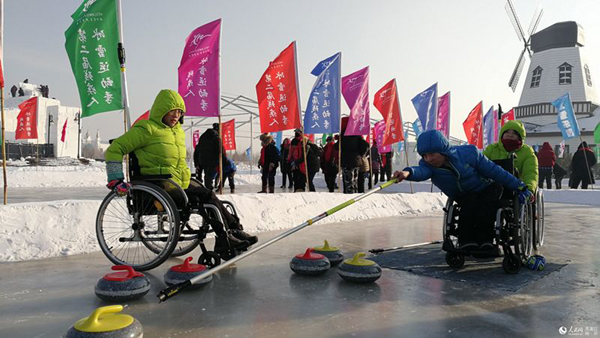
column 173, row 290
column 339, row 176
column 124, row 91
column 251, row 140
column 2, row 102
column 78, row 133
column 220, row 156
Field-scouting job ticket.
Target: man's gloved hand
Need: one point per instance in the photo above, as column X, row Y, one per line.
column 524, row 195
column 271, row 166
column 119, row 187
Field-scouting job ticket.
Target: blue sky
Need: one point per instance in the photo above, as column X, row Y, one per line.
column 467, row 46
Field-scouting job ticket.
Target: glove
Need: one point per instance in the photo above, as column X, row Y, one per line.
column 524, row 195
column 119, row 187
column 271, row 166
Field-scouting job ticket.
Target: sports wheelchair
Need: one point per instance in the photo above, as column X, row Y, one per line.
column 518, row 230
column 155, row 221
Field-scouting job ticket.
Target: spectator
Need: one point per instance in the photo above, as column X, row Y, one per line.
column 209, row 154
column 329, row 163
column 296, row 160
column 353, row 147
column 546, row 161
column 559, row 173
column 581, row 167
column 268, row 162
column 286, row 168
column 313, row 157
column 375, row 165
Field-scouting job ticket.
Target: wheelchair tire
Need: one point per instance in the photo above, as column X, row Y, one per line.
column 210, row 259
column 143, row 243
column 524, row 243
column 511, row 264
column 455, row 260
column 538, row 228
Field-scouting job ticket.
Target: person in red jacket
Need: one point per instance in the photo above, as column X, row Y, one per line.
column 329, row 163
column 546, row 161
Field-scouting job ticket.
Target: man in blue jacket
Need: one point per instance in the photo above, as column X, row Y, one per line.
column 468, row 177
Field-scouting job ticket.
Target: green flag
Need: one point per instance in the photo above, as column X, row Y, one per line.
column 91, row 43
column 597, row 134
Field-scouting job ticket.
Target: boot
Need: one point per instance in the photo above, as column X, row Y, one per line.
column 264, row 189
column 233, row 190
column 242, row 235
column 271, row 190
column 222, row 245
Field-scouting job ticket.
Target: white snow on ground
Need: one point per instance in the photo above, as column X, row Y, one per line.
column 50, row 229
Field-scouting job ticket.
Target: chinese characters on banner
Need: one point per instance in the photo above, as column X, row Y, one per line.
column 195, row 137
column 388, row 103
column 510, row 116
column 199, row 79
column 473, row 126
column 567, row 122
column 443, row 114
column 323, row 109
column 355, row 88
column 91, row 43
column 379, row 131
column 425, row 104
column 228, row 134
column 27, row 120
column 277, row 93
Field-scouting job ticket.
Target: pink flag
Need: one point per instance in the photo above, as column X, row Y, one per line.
column 355, row 88
column 443, row 115
column 379, row 133
column 496, row 126
column 196, row 137
column 64, row 131
column 388, row 103
column 199, row 78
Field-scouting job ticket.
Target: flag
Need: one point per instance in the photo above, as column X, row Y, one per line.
column 497, row 124
column 425, row 104
column 195, row 137
column 277, row 93
column 473, row 126
column 417, row 128
column 490, row 127
column 355, row 88
column 199, row 71
column 510, row 116
column 248, row 154
column 597, row 134
column 278, row 136
column 63, row 134
column 443, row 115
column 1, row 75
column 324, row 138
column 561, row 149
column 323, row 108
column 91, row 44
column 567, row 122
column 379, row 131
column 388, row 103
column 228, row 129
column 144, row 116
column 27, row 120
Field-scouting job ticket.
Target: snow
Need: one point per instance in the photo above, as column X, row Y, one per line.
column 58, row 228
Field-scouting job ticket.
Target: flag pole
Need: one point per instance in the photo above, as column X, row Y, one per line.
column 300, row 116
column 3, row 141
column 220, row 125
column 124, row 92
column 339, row 174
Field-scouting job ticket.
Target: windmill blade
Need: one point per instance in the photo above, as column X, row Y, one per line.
column 535, row 21
column 512, row 15
column 514, row 79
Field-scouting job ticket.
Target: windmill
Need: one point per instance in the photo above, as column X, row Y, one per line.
column 512, row 15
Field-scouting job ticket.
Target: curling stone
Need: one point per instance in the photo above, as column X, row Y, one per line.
column 122, row 286
column 106, row 322
column 359, row 270
column 334, row 254
column 309, row 263
column 182, row 272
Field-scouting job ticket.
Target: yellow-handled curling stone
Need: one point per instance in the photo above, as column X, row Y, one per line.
column 334, row 254
column 106, row 322
column 359, row 270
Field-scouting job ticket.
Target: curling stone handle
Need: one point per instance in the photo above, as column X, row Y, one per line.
column 130, row 271
column 92, row 320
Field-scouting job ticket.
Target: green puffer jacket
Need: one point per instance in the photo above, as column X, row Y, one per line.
column 526, row 162
column 159, row 148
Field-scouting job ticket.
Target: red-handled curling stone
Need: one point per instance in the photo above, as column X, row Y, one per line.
column 182, row 272
column 124, row 285
column 309, row 263
column 359, row 270
column 106, row 322
column 334, row 254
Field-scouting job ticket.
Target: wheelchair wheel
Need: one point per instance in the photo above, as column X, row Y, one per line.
column 538, row 228
column 455, row 260
column 511, row 263
column 210, row 259
column 525, row 240
column 189, row 238
column 139, row 229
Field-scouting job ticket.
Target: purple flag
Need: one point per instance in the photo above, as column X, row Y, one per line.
column 490, row 125
column 199, row 78
column 443, row 114
column 355, row 88
column 379, row 132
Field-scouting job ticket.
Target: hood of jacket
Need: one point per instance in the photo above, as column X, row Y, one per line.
column 432, row 141
column 165, row 101
column 515, row 125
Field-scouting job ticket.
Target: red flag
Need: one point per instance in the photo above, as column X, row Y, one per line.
column 311, row 137
column 64, row 131
column 1, row 75
column 388, row 103
column 228, row 134
column 277, row 93
column 196, row 137
column 473, row 126
column 508, row 116
column 144, row 116
column 27, row 120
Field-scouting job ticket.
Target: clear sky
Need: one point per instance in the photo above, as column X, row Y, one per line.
column 468, row 46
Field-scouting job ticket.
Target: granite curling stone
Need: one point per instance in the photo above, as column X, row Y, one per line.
column 124, row 285
column 309, row 263
column 106, row 322
column 359, row 270
column 334, row 254
column 182, row 272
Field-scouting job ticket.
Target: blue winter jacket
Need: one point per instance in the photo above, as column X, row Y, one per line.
column 469, row 171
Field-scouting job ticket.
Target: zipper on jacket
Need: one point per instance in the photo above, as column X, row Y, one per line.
column 457, row 174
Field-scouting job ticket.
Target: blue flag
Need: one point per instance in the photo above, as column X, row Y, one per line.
column 488, row 127
column 278, row 139
column 248, row 155
column 426, row 104
column 418, row 129
column 567, row 122
column 322, row 113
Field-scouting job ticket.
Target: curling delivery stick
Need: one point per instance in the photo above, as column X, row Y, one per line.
column 174, row 289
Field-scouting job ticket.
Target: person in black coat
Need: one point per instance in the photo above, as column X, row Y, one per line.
column 581, row 170
column 268, row 162
column 209, row 154
column 198, row 162
column 353, row 148
column 286, row 168
column 313, row 157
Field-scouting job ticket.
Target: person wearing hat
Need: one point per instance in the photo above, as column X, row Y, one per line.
column 268, row 162
column 329, row 163
column 209, row 154
column 546, row 161
column 470, row 179
column 581, row 167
